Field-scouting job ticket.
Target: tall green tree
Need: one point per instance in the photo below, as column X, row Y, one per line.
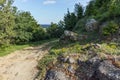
column 90, row 9
column 7, row 23
column 54, row 30
column 114, row 8
column 79, row 11
column 27, row 29
column 70, row 20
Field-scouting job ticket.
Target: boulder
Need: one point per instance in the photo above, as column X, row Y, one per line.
column 55, row 75
column 68, row 36
column 87, row 69
column 71, row 36
column 91, row 25
column 71, row 60
column 107, row 71
column 95, row 61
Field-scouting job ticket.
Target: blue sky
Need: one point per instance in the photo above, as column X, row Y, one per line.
column 47, row 11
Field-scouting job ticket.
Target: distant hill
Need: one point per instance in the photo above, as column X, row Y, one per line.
column 45, row 25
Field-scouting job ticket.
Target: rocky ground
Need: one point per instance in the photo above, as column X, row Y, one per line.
column 72, row 67
column 90, row 64
column 22, row 65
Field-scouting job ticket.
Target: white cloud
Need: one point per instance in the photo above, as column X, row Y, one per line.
column 23, row 0
column 49, row 2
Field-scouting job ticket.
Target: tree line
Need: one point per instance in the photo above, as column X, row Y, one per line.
column 18, row 27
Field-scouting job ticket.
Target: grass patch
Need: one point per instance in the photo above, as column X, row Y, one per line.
column 111, row 48
column 12, row 48
column 60, row 49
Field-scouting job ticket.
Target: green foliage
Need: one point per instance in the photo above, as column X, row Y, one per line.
column 70, row 20
column 6, row 24
column 2, row 2
column 54, row 30
column 111, row 49
column 16, row 26
column 7, row 50
column 61, row 49
column 39, row 34
column 27, row 28
column 114, row 8
column 90, row 9
column 110, row 29
column 79, row 11
column 80, row 26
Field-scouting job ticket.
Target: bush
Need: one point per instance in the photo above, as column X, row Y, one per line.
column 54, row 31
column 110, row 29
column 80, row 26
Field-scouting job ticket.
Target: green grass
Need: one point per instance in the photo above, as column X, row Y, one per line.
column 12, row 48
column 111, row 48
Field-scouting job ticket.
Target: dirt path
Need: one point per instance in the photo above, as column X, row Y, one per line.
column 22, row 64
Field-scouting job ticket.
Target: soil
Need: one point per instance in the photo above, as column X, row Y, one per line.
column 22, row 64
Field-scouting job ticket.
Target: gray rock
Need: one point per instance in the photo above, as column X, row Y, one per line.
column 93, row 64
column 71, row 69
column 95, row 60
column 71, row 60
column 107, row 71
column 68, row 36
column 55, row 75
column 88, row 68
column 91, row 25
column 71, row 36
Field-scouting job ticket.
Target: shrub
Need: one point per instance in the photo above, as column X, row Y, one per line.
column 110, row 29
column 110, row 49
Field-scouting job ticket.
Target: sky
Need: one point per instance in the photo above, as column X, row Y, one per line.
column 47, row 11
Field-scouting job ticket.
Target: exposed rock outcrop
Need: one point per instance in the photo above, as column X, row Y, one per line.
column 91, row 25
column 55, row 75
column 68, row 36
column 94, row 68
column 71, row 36
column 107, row 71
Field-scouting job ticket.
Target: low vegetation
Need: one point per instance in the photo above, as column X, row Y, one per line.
column 7, row 50
column 58, row 49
